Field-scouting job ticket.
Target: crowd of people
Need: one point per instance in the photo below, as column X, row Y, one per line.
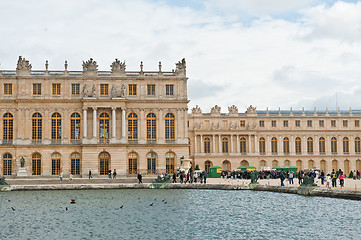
column 190, row 176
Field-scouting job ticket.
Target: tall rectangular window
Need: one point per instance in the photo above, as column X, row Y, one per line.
column 345, row 123
column 169, row 89
column 132, row 89
column 333, row 123
column 357, row 123
column 242, row 123
column 151, row 89
column 298, row 123
column 309, row 123
column 36, row 88
column 274, row 123
column 8, row 89
column 75, row 89
column 261, row 123
column 321, row 123
column 285, row 123
column 56, row 88
column 104, row 89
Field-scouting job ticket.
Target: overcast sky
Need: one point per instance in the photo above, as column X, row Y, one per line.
column 268, row 53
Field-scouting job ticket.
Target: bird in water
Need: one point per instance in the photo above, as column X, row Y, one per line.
column 9, row 200
column 151, row 204
column 13, row 208
column 155, row 199
column 165, row 202
column 66, row 209
column 121, row 206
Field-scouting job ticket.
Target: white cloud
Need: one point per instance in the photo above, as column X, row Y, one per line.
column 269, row 61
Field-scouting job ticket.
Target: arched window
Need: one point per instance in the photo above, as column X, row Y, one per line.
column 207, row 145
column 104, row 128
column 151, row 127
column 323, row 165
column 243, row 145
column 322, row 145
column 274, row 163
column 299, row 165
column 104, row 160
column 7, row 164
column 346, row 167
column 286, row 163
column 244, row 163
column 37, row 127
column 262, row 164
column 169, row 127
column 286, row 145
column 36, row 164
column 75, row 126
column 226, row 165
column 55, row 164
column 225, row 145
column 334, row 145
column 335, row 165
column 207, row 165
column 56, row 126
column 345, row 144
column 298, row 145
column 8, row 127
column 151, row 163
column 274, row 145
column 169, row 162
column 310, row 145
column 132, row 126
column 311, row 164
column 262, row 146
column 75, row 163
column 357, row 145
column 132, row 163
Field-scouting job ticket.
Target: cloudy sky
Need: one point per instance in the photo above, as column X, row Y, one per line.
column 268, row 53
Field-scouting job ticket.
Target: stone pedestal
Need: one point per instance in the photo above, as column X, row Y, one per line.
column 186, row 165
column 22, row 172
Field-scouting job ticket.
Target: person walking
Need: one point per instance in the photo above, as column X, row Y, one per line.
column 71, row 177
column 181, row 177
column 174, row 177
column 358, row 175
column 322, row 176
column 195, row 177
column 282, row 177
column 328, row 181
column 290, row 177
column 354, row 174
column 110, row 174
column 204, row 177
column 114, row 174
column 90, row 174
column 139, row 176
column 61, row 176
column 300, row 177
column 342, row 179
column 334, row 178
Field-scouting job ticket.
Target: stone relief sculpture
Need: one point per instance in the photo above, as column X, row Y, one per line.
column 196, row 110
column 92, row 94
column 85, row 91
column 114, row 92
column 181, row 66
column 123, row 91
column 23, row 64
column 233, row 109
column 118, row 66
column 216, row 110
column 251, row 110
column 90, row 66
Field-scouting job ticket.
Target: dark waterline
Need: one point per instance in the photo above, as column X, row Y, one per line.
column 188, row 214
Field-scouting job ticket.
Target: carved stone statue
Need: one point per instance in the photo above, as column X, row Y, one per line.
column 251, row 110
column 22, row 162
column 181, row 66
column 196, row 110
column 114, row 92
column 85, row 91
column 23, row 64
column 254, row 177
column 90, row 66
column 118, row 66
column 92, row 94
column 216, row 110
column 233, row 109
column 123, row 91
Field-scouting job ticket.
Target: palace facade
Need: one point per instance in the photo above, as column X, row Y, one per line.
column 137, row 121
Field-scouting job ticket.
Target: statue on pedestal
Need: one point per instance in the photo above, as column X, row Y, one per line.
column 22, row 162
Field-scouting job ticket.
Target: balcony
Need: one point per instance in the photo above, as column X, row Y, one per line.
column 132, row 141
column 7, row 142
column 172, row 141
column 55, row 141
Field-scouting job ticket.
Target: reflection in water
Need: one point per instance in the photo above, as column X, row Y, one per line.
column 188, row 214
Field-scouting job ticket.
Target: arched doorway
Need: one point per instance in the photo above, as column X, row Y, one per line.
column 226, row 165
column 104, row 163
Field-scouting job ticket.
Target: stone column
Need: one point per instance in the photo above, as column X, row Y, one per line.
column 238, row 147
column 213, row 143
column 85, row 119
column 202, row 144
column 195, row 143
column 220, row 143
column 186, row 124
column 177, row 125
column 160, row 127
column 94, row 122
column 114, row 119
column 231, row 142
column 124, row 139
column 142, row 127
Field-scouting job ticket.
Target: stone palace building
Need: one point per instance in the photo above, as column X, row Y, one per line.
column 136, row 121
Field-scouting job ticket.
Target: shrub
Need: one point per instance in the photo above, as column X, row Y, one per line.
column 197, row 167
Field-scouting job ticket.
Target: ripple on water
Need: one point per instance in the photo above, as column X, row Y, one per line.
column 195, row 214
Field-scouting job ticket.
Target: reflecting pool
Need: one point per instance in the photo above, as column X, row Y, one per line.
column 187, row 214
